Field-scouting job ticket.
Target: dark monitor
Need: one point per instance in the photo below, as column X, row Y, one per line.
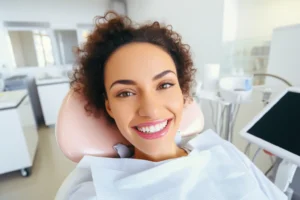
column 277, row 127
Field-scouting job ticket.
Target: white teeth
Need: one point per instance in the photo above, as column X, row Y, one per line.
column 157, row 127
column 160, row 126
column 153, row 129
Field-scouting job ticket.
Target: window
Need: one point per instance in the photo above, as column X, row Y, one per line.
column 43, row 48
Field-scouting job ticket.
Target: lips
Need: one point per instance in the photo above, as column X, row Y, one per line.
column 153, row 130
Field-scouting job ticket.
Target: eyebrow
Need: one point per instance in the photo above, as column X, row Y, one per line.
column 131, row 82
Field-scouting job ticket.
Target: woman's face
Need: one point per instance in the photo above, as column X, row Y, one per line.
column 144, row 96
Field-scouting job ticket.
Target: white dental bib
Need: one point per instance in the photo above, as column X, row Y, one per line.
column 214, row 170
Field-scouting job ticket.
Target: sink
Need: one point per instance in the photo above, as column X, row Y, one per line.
column 51, row 76
column 47, row 76
column 51, row 80
column 3, row 97
column 55, row 77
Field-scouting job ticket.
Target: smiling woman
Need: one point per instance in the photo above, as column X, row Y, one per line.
column 140, row 77
column 112, row 32
column 148, row 103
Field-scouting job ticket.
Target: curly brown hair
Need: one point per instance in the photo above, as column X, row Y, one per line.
column 110, row 33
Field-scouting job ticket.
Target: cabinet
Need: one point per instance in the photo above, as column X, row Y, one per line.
column 18, row 134
column 51, row 97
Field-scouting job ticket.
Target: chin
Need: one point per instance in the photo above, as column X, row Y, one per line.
column 155, row 146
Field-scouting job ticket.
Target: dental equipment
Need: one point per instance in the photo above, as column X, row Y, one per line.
column 276, row 129
column 230, row 93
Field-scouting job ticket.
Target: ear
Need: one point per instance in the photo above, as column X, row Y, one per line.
column 108, row 109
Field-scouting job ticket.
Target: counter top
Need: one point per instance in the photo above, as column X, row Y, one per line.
column 50, row 81
column 11, row 99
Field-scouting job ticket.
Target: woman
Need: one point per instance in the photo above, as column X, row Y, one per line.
column 141, row 77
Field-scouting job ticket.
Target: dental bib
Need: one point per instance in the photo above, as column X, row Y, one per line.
column 214, row 170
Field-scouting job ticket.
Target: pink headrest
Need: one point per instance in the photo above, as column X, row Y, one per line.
column 79, row 134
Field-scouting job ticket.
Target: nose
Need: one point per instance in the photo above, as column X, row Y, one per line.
column 149, row 106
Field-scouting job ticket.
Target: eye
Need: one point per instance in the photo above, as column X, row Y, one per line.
column 125, row 94
column 165, row 85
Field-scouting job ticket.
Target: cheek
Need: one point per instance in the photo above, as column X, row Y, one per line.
column 174, row 102
column 122, row 115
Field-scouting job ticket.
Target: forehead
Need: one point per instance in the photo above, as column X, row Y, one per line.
column 138, row 59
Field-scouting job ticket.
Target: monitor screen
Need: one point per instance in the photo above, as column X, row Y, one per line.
column 281, row 124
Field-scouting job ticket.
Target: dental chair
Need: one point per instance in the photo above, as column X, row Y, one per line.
column 79, row 134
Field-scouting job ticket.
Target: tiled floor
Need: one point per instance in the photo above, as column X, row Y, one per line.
column 48, row 172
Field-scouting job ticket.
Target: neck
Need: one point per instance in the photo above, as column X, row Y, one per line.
column 173, row 152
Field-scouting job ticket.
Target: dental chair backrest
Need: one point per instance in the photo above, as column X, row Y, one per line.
column 79, row 134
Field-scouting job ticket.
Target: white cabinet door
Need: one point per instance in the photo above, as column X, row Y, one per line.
column 13, row 149
column 26, row 117
column 51, row 98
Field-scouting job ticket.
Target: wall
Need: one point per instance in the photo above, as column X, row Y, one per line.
column 204, row 38
column 230, row 20
column 61, row 14
column 259, row 18
column 6, row 54
column 119, row 6
column 199, row 22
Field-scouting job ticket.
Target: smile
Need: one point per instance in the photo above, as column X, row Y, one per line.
column 153, row 130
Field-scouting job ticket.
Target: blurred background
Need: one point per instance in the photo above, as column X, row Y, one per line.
column 37, row 40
